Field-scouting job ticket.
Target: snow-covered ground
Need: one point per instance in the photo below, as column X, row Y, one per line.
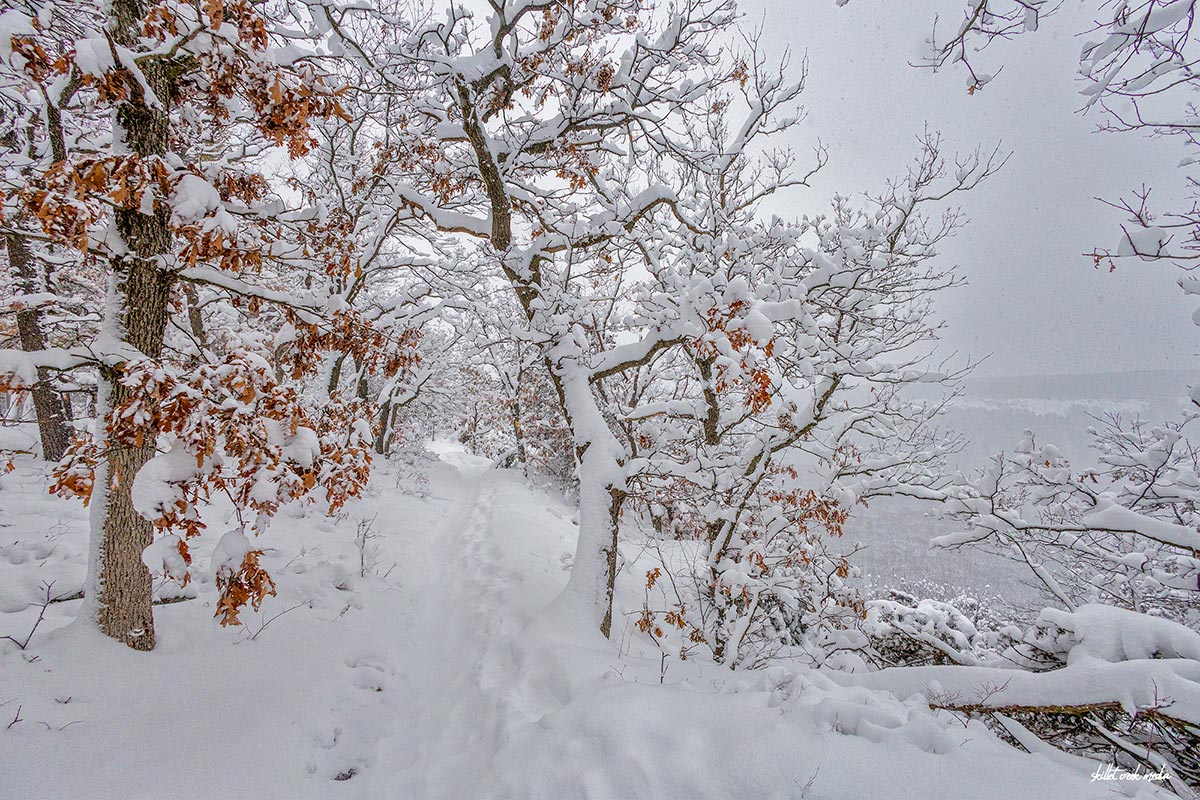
column 427, row 663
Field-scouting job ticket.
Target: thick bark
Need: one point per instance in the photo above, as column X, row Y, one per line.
column 141, row 309
column 47, row 403
column 493, row 181
column 125, row 589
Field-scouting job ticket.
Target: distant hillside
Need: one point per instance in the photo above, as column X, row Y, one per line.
column 994, row 411
column 1139, row 385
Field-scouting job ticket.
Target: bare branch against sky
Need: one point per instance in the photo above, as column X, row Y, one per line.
column 1033, row 300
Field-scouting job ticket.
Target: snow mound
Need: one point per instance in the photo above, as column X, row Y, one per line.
column 711, row 733
column 1114, row 634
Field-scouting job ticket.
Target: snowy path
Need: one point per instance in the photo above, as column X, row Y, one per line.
column 466, row 595
column 443, row 734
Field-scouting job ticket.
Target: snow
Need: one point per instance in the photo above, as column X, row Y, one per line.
column 195, row 197
column 1110, row 516
column 36, row 530
column 165, row 558
column 1149, row 683
column 759, row 327
column 1147, row 243
column 229, row 552
column 94, row 56
column 1114, row 634
column 156, row 487
column 451, row 675
column 20, row 439
column 15, row 24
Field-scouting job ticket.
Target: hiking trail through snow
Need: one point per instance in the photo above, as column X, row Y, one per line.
column 444, row 731
column 464, row 599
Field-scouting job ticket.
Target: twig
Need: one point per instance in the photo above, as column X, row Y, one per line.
column 62, row 728
column 263, row 627
column 166, row 601
column 66, row 598
column 41, row 616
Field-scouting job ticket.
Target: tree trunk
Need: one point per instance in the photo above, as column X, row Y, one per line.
column 123, row 585
column 518, row 431
column 519, row 436
column 612, row 554
column 601, row 493
column 47, row 403
column 335, row 374
column 137, row 315
column 195, row 320
column 594, row 571
column 50, row 407
column 360, row 387
column 385, row 427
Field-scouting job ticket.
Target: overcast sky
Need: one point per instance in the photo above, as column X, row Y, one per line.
column 1033, row 301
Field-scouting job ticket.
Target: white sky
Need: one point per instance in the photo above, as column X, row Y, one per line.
column 1032, row 301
